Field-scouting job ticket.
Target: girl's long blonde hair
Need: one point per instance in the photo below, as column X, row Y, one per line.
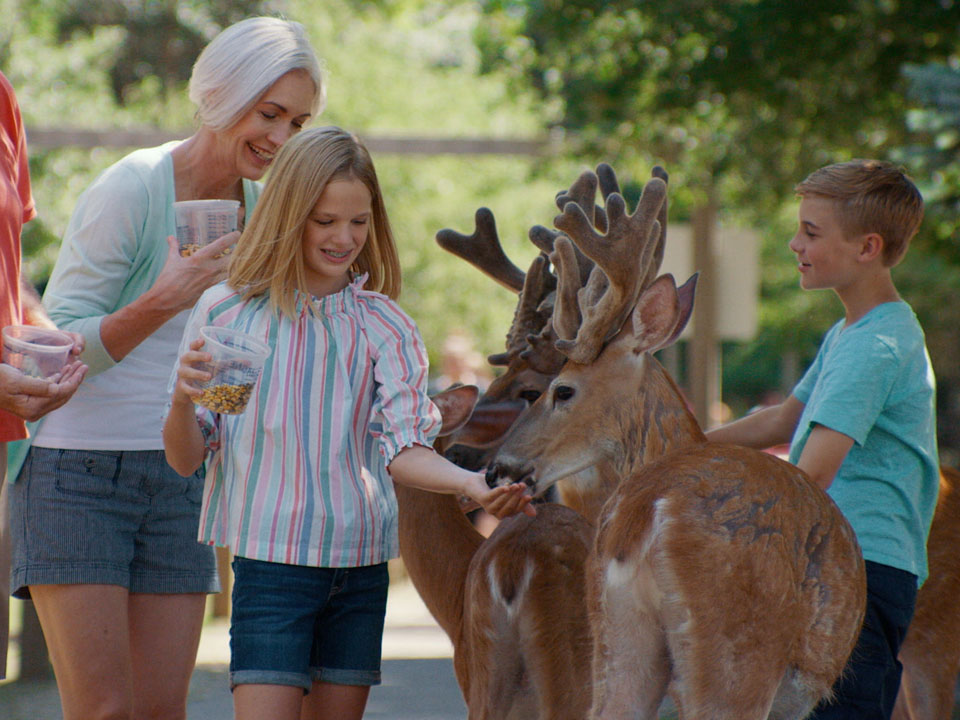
column 269, row 255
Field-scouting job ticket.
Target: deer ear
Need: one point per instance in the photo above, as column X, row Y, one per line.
column 656, row 315
column 456, row 405
column 685, row 296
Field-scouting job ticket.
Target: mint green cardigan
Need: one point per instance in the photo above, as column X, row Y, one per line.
column 113, row 250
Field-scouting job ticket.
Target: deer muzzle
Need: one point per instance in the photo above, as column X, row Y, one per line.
column 502, row 473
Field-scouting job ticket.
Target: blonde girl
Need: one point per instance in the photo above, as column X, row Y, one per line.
column 300, row 484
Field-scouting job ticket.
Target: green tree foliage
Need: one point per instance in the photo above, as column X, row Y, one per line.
column 744, row 98
column 763, row 88
column 934, row 269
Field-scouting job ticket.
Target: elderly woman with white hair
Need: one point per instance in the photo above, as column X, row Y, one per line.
column 104, row 530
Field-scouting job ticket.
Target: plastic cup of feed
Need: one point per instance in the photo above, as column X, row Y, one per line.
column 237, row 362
column 200, row 222
column 35, row 351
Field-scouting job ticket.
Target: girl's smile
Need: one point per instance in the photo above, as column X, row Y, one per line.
column 335, row 234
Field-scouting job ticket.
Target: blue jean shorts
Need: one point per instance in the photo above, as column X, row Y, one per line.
column 296, row 625
column 108, row 517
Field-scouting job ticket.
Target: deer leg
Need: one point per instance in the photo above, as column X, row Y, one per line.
column 718, row 688
column 631, row 662
column 632, row 674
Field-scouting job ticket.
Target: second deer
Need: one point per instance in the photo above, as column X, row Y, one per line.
column 511, row 604
column 718, row 573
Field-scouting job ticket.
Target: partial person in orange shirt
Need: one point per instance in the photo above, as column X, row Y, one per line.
column 21, row 397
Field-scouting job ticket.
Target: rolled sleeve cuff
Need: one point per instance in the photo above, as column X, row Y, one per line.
column 94, row 354
column 390, row 446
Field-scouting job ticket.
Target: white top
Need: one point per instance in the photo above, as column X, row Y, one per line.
column 121, row 408
column 113, row 250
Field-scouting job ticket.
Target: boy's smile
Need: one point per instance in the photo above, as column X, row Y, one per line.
column 826, row 257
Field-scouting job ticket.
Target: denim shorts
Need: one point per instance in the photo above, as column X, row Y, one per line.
column 296, row 625
column 108, row 517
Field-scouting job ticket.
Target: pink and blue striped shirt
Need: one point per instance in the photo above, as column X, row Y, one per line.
column 300, row 476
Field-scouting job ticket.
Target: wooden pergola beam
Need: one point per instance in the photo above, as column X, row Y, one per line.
column 48, row 138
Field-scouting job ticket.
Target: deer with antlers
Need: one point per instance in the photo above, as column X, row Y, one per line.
column 531, row 359
column 513, row 604
column 718, row 573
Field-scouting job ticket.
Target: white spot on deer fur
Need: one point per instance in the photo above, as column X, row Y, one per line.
column 496, row 592
column 632, row 578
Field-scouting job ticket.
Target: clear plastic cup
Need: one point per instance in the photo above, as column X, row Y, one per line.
column 238, row 360
column 34, row 351
column 200, row 222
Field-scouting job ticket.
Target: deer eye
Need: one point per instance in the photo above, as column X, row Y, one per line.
column 529, row 395
column 562, row 393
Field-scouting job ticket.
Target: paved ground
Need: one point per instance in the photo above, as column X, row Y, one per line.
column 418, row 680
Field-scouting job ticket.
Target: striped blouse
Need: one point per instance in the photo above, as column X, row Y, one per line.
column 300, row 477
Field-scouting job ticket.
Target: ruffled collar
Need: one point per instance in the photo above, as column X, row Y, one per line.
column 334, row 302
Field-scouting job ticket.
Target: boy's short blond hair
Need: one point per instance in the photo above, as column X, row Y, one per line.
column 871, row 196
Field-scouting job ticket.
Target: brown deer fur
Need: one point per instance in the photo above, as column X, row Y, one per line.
column 719, row 572
column 512, row 605
column 931, row 651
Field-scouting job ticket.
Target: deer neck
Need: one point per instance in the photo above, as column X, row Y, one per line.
column 658, row 422
column 588, row 498
column 437, row 543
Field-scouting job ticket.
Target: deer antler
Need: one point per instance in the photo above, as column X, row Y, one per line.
column 531, row 337
column 583, row 192
column 482, row 249
column 530, row 316
column 627, row 259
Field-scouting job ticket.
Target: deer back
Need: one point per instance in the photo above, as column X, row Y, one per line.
column 748, row 574
column 526, row 619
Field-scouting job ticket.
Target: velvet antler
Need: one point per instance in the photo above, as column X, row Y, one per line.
column 626, row 260
column 483, row 250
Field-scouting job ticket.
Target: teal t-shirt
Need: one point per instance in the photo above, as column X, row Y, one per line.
column 873, row 382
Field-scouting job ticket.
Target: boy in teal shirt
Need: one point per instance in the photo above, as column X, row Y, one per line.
column 861, row 422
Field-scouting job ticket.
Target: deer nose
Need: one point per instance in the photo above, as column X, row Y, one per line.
column 493, row 475
column 500, row 473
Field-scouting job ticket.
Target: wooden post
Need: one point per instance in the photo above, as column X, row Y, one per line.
column 704, row 369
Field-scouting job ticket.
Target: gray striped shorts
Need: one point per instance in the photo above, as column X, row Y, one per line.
column 108, row 517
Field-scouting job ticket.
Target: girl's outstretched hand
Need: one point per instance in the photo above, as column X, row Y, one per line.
column 504, row 500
